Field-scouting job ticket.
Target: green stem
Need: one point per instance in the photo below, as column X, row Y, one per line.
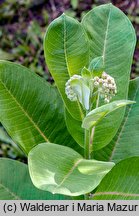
column 93, row 129
column 86, row 196
column 92, row 138
column 87, row 152
column 88, row 143
column 97, row 102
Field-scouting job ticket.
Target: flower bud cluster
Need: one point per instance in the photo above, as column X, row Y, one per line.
column 106, row 86
column 68, row 89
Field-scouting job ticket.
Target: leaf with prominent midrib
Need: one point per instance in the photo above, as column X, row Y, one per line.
column 96, row 115
column 111, row 35
column 74, row 128
column 31, row 110
column 121, row 183
column 126, row 141
column 66, row 52
column 15, row 183
column 62, row 170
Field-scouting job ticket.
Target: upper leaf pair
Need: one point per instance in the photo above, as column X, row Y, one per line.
column 23, row 108
column 67, row 45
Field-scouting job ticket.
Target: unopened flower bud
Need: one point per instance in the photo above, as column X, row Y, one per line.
column 96, row 78
column 111, row 86
column 106, row 100
column 96, row 83
column 104, row 75
column 100, row 81
column 105, row 85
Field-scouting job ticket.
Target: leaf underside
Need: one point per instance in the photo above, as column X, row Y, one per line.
column 62, row 170
column 97, row 115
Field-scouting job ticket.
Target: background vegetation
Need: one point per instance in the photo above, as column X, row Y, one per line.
column 22, row 27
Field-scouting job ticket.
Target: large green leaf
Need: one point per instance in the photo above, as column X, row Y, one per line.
column 30, row 109
column 15, row 183
column 62, row 170
column 121, row 183
column 96, row 115
column 75, row 129
column 126, row 142
column 66, row 52
column 111, row 36
column 92, row 119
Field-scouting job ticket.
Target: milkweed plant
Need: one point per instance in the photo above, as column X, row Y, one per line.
column 81, row 134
